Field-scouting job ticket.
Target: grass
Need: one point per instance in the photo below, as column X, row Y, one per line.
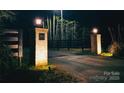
column 85, row 52
column 44, row 74
column 43, row 68
column 78, row 51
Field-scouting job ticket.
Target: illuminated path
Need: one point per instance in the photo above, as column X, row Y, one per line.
column 87, row 68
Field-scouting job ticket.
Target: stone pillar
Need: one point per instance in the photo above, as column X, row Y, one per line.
column 96, row 43
column 41, row 47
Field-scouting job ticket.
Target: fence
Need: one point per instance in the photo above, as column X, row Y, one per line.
column 68, row 44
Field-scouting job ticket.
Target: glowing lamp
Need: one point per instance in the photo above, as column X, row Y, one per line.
column 38, row 21
column 95, row 30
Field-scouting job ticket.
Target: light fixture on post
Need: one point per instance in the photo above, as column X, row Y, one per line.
column 41, row 43
column 95, row 41
column 62, row 24
column 95, row 31
column 38, row 22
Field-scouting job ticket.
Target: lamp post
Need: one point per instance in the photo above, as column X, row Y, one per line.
column 62, row 24
column 95, row 41
column 61, row 14
column 41, row 43
column 53, row 32
column 55, row 35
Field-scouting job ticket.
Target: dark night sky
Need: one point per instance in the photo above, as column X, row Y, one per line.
column 100, row 18
column 95, row 17
column 85, row 17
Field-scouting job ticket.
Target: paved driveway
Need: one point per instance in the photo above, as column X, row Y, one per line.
column 87, row 68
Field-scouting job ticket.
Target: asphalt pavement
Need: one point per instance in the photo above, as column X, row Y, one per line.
column 88, row 68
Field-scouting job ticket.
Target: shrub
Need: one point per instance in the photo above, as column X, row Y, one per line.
column 117, row 49
column 7, row 62
column 121, row 51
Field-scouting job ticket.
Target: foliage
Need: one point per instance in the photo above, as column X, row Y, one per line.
column 68, row 32
column 117, row 49
column 7, row 62
column 113, row 48
column 37, row 76
column 6, row 15
column 121, row 50
column 56, row 76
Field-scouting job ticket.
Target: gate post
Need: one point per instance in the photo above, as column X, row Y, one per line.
column 41, row 47
column 96, row 42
